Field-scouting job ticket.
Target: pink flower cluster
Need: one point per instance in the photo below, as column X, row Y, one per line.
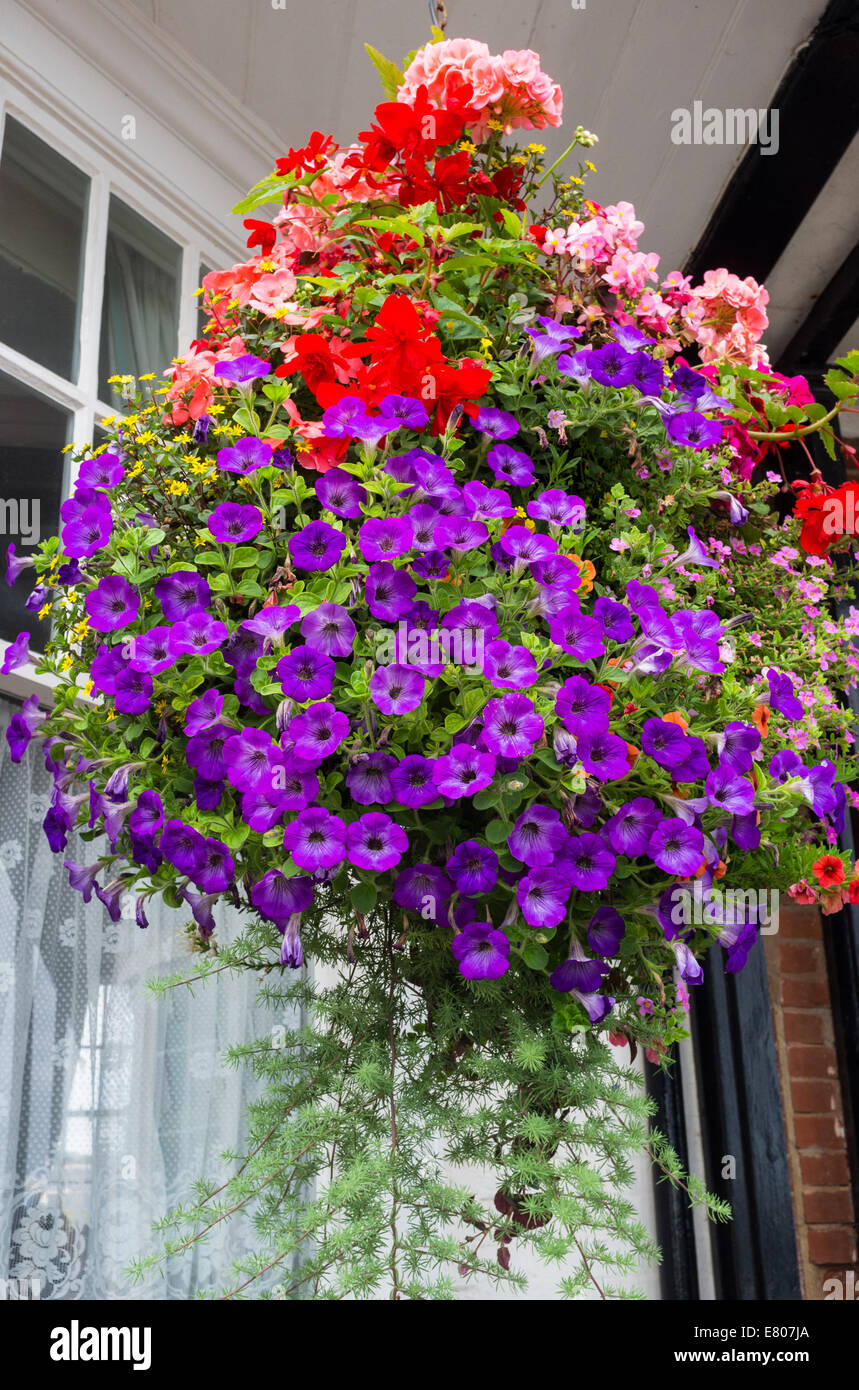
column 728, row 318
column 305, row 227
column 510, row 87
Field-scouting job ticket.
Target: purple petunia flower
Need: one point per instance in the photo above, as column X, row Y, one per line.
column 473, row 868
column 504, row 664
column 248, row 758
column 498, row 424
column 396, row 689
column 510, row 465
column 551, row 337
column 203, row 712
column 369, row 780
column 588, row 861
column 340, row 493
column 183, row 847
column 232, row 522
column 151, row 651
column 205, row 752
column 277, row 897
column 329, row 629
column 526, row 545
column 630, row 829
column 424, row 888
column 576, row 364
column 423, row 520
column 537, row 836
column 579, row 973
column 737, row 745
column 103, row 471
column 782, row 696
column 511, row 727
column 463, row 771
column 543, row 894
column 17, row 654
column 22, row 727
column 112, row 604
column 215, row 873
column 385, row 538
column 730, row 792
column 245, row 456
column 306, row 674
column 389, row 592
column 487, row 503
column 87, row 532
column 375, row 842
column 396, row 411
column 316, row 839
column 133, row 691
column 785, row 765
column 460, row 533
column 663, row 741
column 243, row 369
column 582, row 707
column 15, row 564
column 412, row 781
column 676, row 847
column 148, row 814
column 693, row 430
column 182, row 593
column 695, row 765
column 614, row 619
column 272, row 620
column 557, row 507
column 606, row 930
column 433, row 564
column 199, row 634
column 577, row 634
column 611, row 365
column 317, row 547
column 603, row 755
column 482, row 952
column 318, row 731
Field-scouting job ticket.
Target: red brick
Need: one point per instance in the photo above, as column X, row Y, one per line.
column 824, row 1170
column 804, row 994
column 799, row 926
column 831, row 1245
column 796, row 959
column 817, row 1132
column 803, row 1027
column 814, row 1097
column 811, row 1061
column 829, row 1205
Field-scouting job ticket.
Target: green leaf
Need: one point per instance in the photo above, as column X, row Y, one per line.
column 363, row 897
column 389, row 74
column 535, row 956
column 400, row 226
column 497, row 831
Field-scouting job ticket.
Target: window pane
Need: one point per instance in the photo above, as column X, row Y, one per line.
column 43, row 201
column 140, row 312
column 33, row 433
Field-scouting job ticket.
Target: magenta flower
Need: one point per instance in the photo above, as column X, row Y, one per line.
column 676, row 847
column 537, row 836
column 424, row 888
column 112, row 604
column 582, row 707
column 730, row 792
column 510, row 465
column 389, row 592
column 558, row 507
column 527, row 545
column 369, row 780
column 588, row 861
column 198, row 634
column 133, row 691
column 243, row 369
column 543, row 894
column 577, row 634
column 17, row 653
column 375, row 842
column 473, row 868
column 412, row 781
column 231, row 523
column 463, row 771
column 182, row 593
column 87, row 532
column 317, row 547
column 340, row 493
column 316, row 839
column 329, row 629
column 103, row 471
column 385, row 538
column 507, row 665
column 318, row 731
column 245, row 456
column 487, row 502
column 306, row 674
column 511, row 727
column 498, row 424
column 629, row 830
column 151, row 651
column 482, row 952
column 276, row 897
column 396, row 689
column 603, row 755
column 248, row 757
column 460, row 533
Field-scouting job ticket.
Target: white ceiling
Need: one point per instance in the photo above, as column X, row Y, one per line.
column 624, row 65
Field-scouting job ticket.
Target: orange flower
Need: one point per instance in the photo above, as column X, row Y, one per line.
column 721, row 870
column 675, row 717
column 761, row 719
column 586, row 573
column 633, row 754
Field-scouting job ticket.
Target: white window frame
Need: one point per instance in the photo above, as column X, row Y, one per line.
column 108, row 176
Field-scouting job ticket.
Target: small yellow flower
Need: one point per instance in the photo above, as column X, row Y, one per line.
column 592, row 167
column 87, row 688
column 149, row 376
column 536, row 149
column 66, row 663
column 44, row 610
column 467, row 147
column 495, row 125
column 146, row 437
column 198, row 292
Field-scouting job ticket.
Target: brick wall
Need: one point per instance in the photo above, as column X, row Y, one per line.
column 811, row 1099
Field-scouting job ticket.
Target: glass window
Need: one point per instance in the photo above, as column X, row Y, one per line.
column 33, row 433
column 140, row 309
column 43, row 200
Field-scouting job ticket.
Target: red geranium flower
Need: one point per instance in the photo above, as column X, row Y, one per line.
column 829, row 871
column 262, row 234
column 311, row 156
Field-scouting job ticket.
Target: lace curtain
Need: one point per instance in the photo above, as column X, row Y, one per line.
column 111, row 1102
